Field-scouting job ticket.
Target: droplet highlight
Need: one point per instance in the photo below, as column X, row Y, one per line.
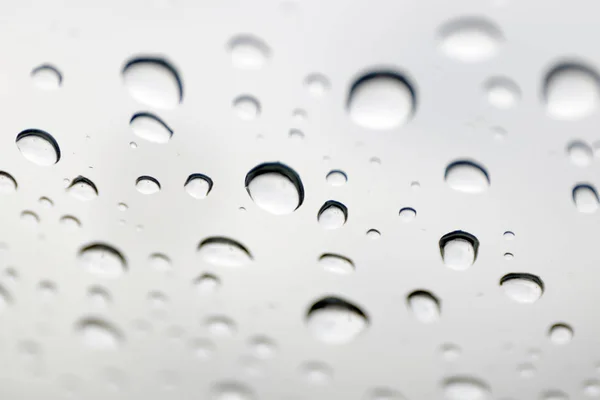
column 275, row 187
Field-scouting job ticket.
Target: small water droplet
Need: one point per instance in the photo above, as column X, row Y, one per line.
column 262, row 347
column 450, row 352
column 83, row 189
column 38, row 146
column 335, row 321
column 336, row 264
column 275, row 187
column 248, row 52
column 207, row 283
column 296, row 135
column 8, row 184
column 69, row 222
column 246, row 107
column 585, row 198
column 220, row 326
column 466, row 388
column 30, row 219
column 45, row 202
column 332, row 215
column 160, row 262
column 526, row 371
column 508, row 256
column 231, row 391
column 580, row 153
column 317, row 84
column 151, row 128
column 415, row 186
column 502, row 93
column 46, row 77
column 316, row 373
column 47, row 291
column 102, row 260
column 153, row 82
column 499, row 133
column 122, row 207
column 383, row 394
column 223, row 251
column 98, row 334
column 147, row 185
column 133, row 145
column 467, row 177
column 299, row 115
column 373, row 234
column 459, row 250
column 554, row 395
column 561, row 334
column 470, row 39
column 591, row 388
column 158, row 303
column 424, row 306
column 198, row 186
column 508, row 235
column 99, row 297
column 375, row 161
column 336, row 178
column 522, row 287
column 407, row 214
column 571, row 92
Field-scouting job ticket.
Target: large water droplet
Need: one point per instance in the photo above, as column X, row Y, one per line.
column 424, row 306
column 246, row 107
column 154, row 82
column 522, row 287
column 571, row 92
column 8, row 184
column 336, row 321
column 332, row 215
column 151, row 128
column 470, row 39
column 275, row 188
column 231, row 391
column 502, row 93
column 46, row 77
column 248, row 52
column 98, row 334
column 381, row 100
column 407, row 214
column 459, row 250
column 585, row 198
column 561, row 334
column 38, row 146
column 223, row 251
column 336, row 264
column 467, row 176
column 198, row 186
column 207, row 283
column 466, row 388
column 102, row 260
column 147, row 185
column 83, row 189
column 580, row 153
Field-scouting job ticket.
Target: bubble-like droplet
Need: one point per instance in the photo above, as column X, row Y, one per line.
column 526, row 371
column 383, row 394
column 83, row 189
column 153, row 82
column 522, row 287
column 30, row 219
column 373, row 234
column 248, row 52
column 69, row 222
column 381, row 100
column 508, row 235
column 336, row 178
column 554, row 395
column 585, row 198
column 222, row 251
column 470, row 39
column 5, row 297
column 299, row 115
column 275, row 188
column 198, row 186
column 98, row 334
column 160, row 262
column 246, row 107
column 230, row 391
column 407, row 214
column 99, row 297
column 38, row 146
column 450, row 352
column 207, row 283
column 122, row 207
column 220, row 326
column 560, row 334
column 424, row 306
column 46, row 77
column 459, row 250
column 316, row 373
column 147, row 185
column 262, row 347
column 591, row 388
column 8, row 184
column 467, row 177
column 466, row 388
column 571, row 91
column 151, row 128
column 502, row 93
column 102, row 260
column 580, row 153
column 336, row 264
column 317, row 84
column 336, row 321
column 332, row 215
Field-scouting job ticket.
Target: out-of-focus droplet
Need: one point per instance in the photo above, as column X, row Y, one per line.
column 30, row 219
column 466, row 388
column 470, row 39
column 580, row 153
column 102, row 260
column 69, row 222
column 153, row 82
column 224, row 252
column 203, row 348
column 317, row 84
column 316, row 373
column 38, row 146
column 561, row 334
column 373, row 234
column 45, row 202
column 554, row 395
column 46, row 77
column 585, row 198
column 526, row 371
column 147, row 185
column 99, row 297
column 450, row 352
column 275, row 187
column 122, row 207
column 47, row 291
column 383, row 393
column 151, row 128
column 522, row 287
column 231, row 391
column 198, row 186
column 467, row 177
column 8, row 184
column 160, row 262
column 262, row 347
column 502, row 93
column 5, row 297
column 336, row 264
column 591, row 388
column 459, row 250
column 207, row 283
column 296, row 134
column 407, row 214
column 299, row 115
column 248, row 52
column 133, row 145
column 571, row 92
column 98, row 334
column 83, row 189
column 424, row 306
column 246, row 108
column 336, row 178
column 220, row 326
column 158, row 303
column 332, row 215
column 336, row 321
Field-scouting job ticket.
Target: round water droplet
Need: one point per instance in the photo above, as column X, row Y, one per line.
column 158, row 303
column 38, row 146
column 151, row 128
column 102, row 260
column 69, row 222
column 336, row 321
column 99, row 297
column 83, row 189
column 207, row 283
column 8, row 184
column 133, row 145
column 30, row 219
column 585, row 198
column 580, row 153
column 571, row 92
column 407, row 214
column 336, row 264
column 275, row 188
column 246, row 107
column 332, row 215
column 248, row 52
column 424, row 306
column 373, row 234
column 508, row 235
column 122, row 207
column 231, row 391
column 381, row 100
column 46, row 77
column 47, row 291
column 45, row 202
column 160, row 262
column 224, row 252
column 554, row 395
column 591, row 388
column 153, row 82
column 526, row 371
column 198, row 186
column 317, row 84
column 220, row 326
column 467, row 177
column 262, row 347
column 522, row 287
column 296, row 134
column 299, row 115
column 147, row 185
column 466, row 388
column 383, row 394
column 450, row 352
column 502, row 93
column 561, row 334
column 316, row 373
column 459, row 250
column 336, row 178
column 203, row 348
column 98, row 334
column 470, row 39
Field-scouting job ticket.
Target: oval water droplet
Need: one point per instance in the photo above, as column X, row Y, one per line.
column 246, row 107
column 102, row 260
column 526, row 371
column 450, row 352
column 231, row 391
column 466, row 388
column 147, row 185
column 151, row 128
column 502, row 93
column 262, row 347
column 580, row 153
column 470, row 39
column 571, row 92
column 522, row 287
column 383, row 394
column 336, row 264
column 83, row 189
column 99, row 297
column 30, row 219
column 554, row 395
column 38, row 146
column 222, row 251
column 373, row 234
column 69, row 222
column 560, row 334
column 153, row 81
column 585, row 198
column 8, row 184
column 198, row 186
column 316, row 373
column 459, row 250
column 317, row 84
column 46, row 77
column 467, row 177
column 424, row 306
column 591, row 388
column 220, row 326
column 207, row 283
column 248, row 52
column 203, row 348
column 407, row 214
column 381, row 100
column 336, row 178
column 332, row 215
column 47, row 291
column 508, row 235
column 160, row 262
column 275, row 188
column 98, row 334
column 336, row 321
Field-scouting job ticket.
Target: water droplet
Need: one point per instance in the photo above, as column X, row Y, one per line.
column 262, row 347
column 336, row 178
column 424, row 306
column 147, row 185
column 375, row 161
column 373, row 234
column 246, row 108
column 415, row 186
column 46, row 77
column 151, row 128
column 332, row 215
column 203, row 348
column 316, row 373
column 383, row 394
column 153, row 82
column 299, row 115
column 224, row 252
column 470, row 39
column 248, row 52
column 102, row 260
column 585, row 198
column 275, row 188
column 98, row 334
column 450, row 352
column 407, row 214
column 160, row 262
column 317, row 84
column 207, row 283
column 466, row 388
column 580, row 153
column 336, row 264
column 45, row 202
column 30, row 219
column 522, row 287
column 8, row 184
column 231, row 391
column 561, row 334
column 38, row 146
column 5, row 297
column 83, row 189
column 133, row 145
column 502, row 93
column 198, row 186
column 158, row 303
column 571, row 92
column 459, row 250
column 122, row 207
column 526, row 371
column 499, row 133
column 335, row 321
column 220, row 326
column 47, row 291
column 467, row 176
column 69, row 222
column 99, row 297
column 296, row 134
column 508, row 235
column 591, row 388
column 554, row 395
column 381, row 100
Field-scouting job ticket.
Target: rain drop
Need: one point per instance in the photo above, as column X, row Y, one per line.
column 467, row 177
column 554, row 395
column 508, row 235
column 561, row 334
column 246, row 108
column 98, row 297
column 122, row 207
column 231, row 391
column 332, row 215
column 8, row 184
column 316, row 373
column 203, row 348
column 45, row 202
column 198, row 186
column 160, row 262
column 336, row 264
column 98, row 334
column 248, row 52
column 571, row 92
column 585, row 198
column 335, row 321
column 317, row 84
column 83, row 189
column 470, row 39
column 526, row 371
column 459, row 250
column 502, row 93
column 147, row 185
column 336, row 178
column 407, row 214
column 262, row 347
column 38, row 146
column 373, row 234
column 424, row 306
column 591, row 388
column 580, row 153
column 207, row 284
column 522, row 287
column 275, row 188
column 220, row 326
column 221, row 251
column 30, row 219
column 296, row 134
column 46, row 77
column 102, row 260
column 466, row 388
column 450, row 352
column 69, row 222
column 153, row 82
column 151, row 128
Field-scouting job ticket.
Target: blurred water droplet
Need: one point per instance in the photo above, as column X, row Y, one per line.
column 336, row 264
column 466, row 388
column 459, row 250
column 373, row 234
column 591, row 388
column 560, row 334
column 47, row 291
column 296, row 134
column 98, row 334
column 30, row 219
column 45, row 202
column 502, row 93
column 336, row 178
column 317, row 84
column 262, row 347
column 383, row 394
column 571, row 92
column 335, row 321
column 424, row 306
column 102, row 260
column 160, row 262
column 46, row 77
column 83, row 189
column 220, row 326
column 5, row 297
column 316, row 373
column 8, row 184
column 246, row 108
column 407, row 214
column 153, row 82
column 375, row 161
column 151, row 128
column 470, row 39
column 332, row 215
column 508, row 235
column 38, row 146
column 122, row 207
column 231, row 391
column 203, row 348
column 499, row 133
column 198, row 186
column 99, row 297
column 275, row 187
column 158, row 303
column 223, row 251
column 580, row 153
column 526, row 371
column 450, row 352
column 554, row 395
column 522, row 287
column 147, row 185
column 70, row 223
column 585, row 198
column 207, row 283
column 415, row 186
column 133, row 145
column 299, row 115
column 467, row 176
column 248, row 52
